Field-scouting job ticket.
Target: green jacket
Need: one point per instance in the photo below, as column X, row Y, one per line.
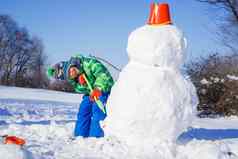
column 96, row 73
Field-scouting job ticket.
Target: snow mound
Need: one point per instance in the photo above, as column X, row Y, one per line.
column 11, row 151
column 151, row 110
column 51, row 140
column 206, row 150
column 103, row 148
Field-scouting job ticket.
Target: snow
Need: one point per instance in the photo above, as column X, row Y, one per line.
column 232, row 77
column 22, row 93
column 152, row 102
column 204, row 81
column 162, row 47
column 141, row 112
column 151, row 112
column 48, row 137
column 11, row 152
column 215, row 79
column 207, row 150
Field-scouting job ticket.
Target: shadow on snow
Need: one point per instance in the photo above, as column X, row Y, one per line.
column 207, row 134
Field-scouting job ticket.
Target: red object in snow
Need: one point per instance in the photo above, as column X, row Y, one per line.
column 14, row 140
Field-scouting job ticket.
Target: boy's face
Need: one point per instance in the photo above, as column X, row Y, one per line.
column 73, row 72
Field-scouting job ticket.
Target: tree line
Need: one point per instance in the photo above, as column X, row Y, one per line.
column 22, row 57
column 216, row 76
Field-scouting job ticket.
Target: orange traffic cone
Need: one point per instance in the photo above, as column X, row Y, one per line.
column 159, row 14
column 14, row 140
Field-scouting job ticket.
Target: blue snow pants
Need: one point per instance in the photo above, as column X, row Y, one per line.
column 89, row 116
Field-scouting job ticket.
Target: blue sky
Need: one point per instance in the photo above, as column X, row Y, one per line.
column 101, row 28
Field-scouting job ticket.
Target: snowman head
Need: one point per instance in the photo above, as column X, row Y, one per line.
column 157, row 45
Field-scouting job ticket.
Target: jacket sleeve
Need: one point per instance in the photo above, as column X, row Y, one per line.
column 79, row 88
column 103, row 79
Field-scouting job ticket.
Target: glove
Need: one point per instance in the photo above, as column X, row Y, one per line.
column 81, row 80
column 96, row 93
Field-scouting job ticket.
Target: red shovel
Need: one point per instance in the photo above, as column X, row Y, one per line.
column 13, row 140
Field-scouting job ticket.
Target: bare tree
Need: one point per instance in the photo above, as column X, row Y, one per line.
column 227, row 21
column 212, row 77
column 21, row 56
column 37, row 64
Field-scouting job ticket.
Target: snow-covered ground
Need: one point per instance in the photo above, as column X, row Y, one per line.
column 46, row 120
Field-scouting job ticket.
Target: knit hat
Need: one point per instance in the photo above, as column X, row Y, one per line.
column 58, row 70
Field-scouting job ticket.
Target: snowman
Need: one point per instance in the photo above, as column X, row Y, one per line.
column 152, row 102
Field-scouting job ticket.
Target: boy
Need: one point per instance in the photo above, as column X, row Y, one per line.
column 91, row 78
